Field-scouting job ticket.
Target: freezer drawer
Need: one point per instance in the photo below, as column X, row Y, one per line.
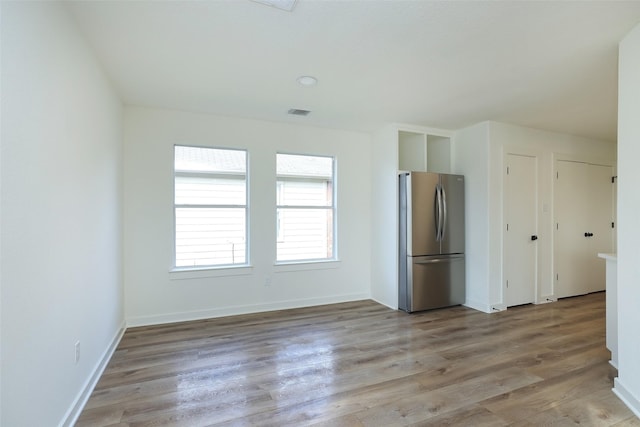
column 433, row 282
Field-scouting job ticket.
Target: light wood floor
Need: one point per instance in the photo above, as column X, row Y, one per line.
column 362, row 364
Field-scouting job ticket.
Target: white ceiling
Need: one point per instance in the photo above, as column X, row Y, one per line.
column 446, row 64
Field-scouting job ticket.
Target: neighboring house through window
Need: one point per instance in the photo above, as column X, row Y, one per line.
column 210, row 207
column 305, row 208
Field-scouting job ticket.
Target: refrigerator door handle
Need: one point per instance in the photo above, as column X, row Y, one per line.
column 440, row 213
column 444, row 216
column 431, row 261
column 437, row 212
column 450, row 258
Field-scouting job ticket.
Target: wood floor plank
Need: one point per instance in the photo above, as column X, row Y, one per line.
column 527, row 402
column 632, row 421
column 362, row 364
column 475, row 416
column 598, row 408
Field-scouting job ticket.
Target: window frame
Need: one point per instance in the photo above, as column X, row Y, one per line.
column 333, row 208
column 195, row 268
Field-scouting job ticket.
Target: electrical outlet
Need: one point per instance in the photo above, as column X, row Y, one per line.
column 77, row 347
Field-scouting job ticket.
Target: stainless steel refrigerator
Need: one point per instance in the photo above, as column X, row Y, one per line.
column 431, row 256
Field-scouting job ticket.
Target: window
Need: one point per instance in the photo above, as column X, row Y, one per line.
column 305, row 208
column 210, row 207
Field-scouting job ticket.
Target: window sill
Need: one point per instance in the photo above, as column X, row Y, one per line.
column 281, row 267
column 205, row 272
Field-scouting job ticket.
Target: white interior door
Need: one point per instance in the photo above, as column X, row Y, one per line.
column 570, row 208
column 583, row 208
column 520, row 243
column 600, row 210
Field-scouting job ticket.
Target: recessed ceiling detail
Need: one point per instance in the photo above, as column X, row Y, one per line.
column 287, row 5
column 298, row 112
column 307, row 81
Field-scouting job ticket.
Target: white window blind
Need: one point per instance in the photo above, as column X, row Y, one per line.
column 210, row 206
column 305, row 208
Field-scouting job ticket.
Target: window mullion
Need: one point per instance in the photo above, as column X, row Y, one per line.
column 303, row 207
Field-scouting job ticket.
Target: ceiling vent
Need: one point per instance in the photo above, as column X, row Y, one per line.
column 297, row 112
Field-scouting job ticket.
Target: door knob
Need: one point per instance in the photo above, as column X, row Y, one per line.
column 588, row 234
column 534, row 237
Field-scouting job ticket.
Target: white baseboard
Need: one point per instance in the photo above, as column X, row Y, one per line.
column 382, row 303
column 547, row 299
column 240, row 309
column 626, row 396
column 495, row 308
column 76, row 408
column 485, row 308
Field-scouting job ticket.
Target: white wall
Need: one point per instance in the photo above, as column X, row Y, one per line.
column 478, row 153
column 470, row 157
column 384, row 211
column 627, row 385
column 154, row 295
column 60, row 215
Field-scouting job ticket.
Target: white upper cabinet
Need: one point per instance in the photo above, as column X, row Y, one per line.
column 412, row 151
column 423, row 152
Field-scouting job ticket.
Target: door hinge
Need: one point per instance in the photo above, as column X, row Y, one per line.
column 507, row 227
column 557, row 276
column 507, row 170
column 557, row 175
column 613, row 179
column 507, row 283
column 613, row 225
